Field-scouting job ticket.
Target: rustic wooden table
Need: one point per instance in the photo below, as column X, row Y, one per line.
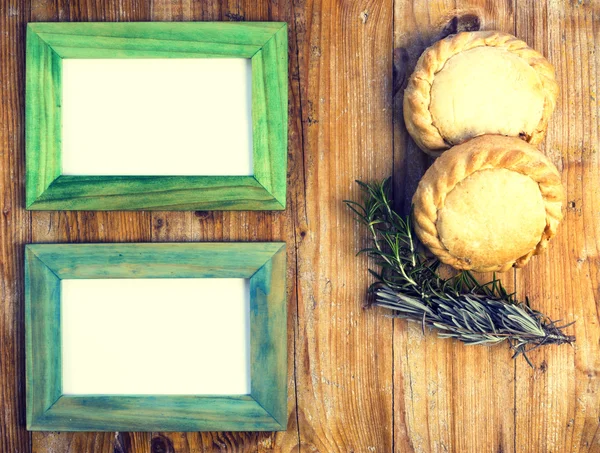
column 358, row 381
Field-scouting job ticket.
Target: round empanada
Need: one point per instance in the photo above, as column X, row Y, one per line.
column 488, row 204
column 476, row 83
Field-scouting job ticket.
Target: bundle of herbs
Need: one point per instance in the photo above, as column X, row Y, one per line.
column 409, row 283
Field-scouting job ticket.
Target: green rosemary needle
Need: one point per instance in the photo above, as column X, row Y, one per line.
column 408, row 283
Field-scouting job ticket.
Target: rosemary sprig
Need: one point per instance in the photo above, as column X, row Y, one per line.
column 408, row 283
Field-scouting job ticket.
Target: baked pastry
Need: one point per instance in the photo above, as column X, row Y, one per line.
column 488, row 204
column 476, row 83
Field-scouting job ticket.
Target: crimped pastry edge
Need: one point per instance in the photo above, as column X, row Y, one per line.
column 417, row 95
column 483, row 153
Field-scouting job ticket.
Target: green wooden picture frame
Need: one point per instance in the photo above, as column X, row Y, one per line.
column 264, row 409
column 48, row 44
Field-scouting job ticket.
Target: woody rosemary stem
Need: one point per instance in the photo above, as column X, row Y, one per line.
column 408, row 284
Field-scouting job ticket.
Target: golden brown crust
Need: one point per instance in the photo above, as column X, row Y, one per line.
column 417, row 96
column 482, row 153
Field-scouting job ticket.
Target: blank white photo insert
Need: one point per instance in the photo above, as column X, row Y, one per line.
column 155, row 336
column 180, row 117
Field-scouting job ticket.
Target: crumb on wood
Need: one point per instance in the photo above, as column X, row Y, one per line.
column 364, row 16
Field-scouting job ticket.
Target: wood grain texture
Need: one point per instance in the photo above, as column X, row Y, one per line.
column 343, row 352
column 43, row 117
column 151, row 193
column 340, row 70
column 14, row 227
column 42, row 337
column 268, row 336
column 147, row 413
column 269, row 114
column 455, row 397
column 557, row 406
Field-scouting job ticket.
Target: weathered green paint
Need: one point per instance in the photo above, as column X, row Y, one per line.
column 269, row 112
column 200, row 39
column 42, row 337
column 155, row 413
column 156, row 260
column 42, row 117
column 265, row 43
column 175, row 193
column 268, row 336
column 265, row 409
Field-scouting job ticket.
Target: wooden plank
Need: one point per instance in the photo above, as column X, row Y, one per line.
column 239, row 226
column 448, row 396
column 14, row 227
column 87, row 227
column 74, row 442
column 344, row 353
column 558, row 404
